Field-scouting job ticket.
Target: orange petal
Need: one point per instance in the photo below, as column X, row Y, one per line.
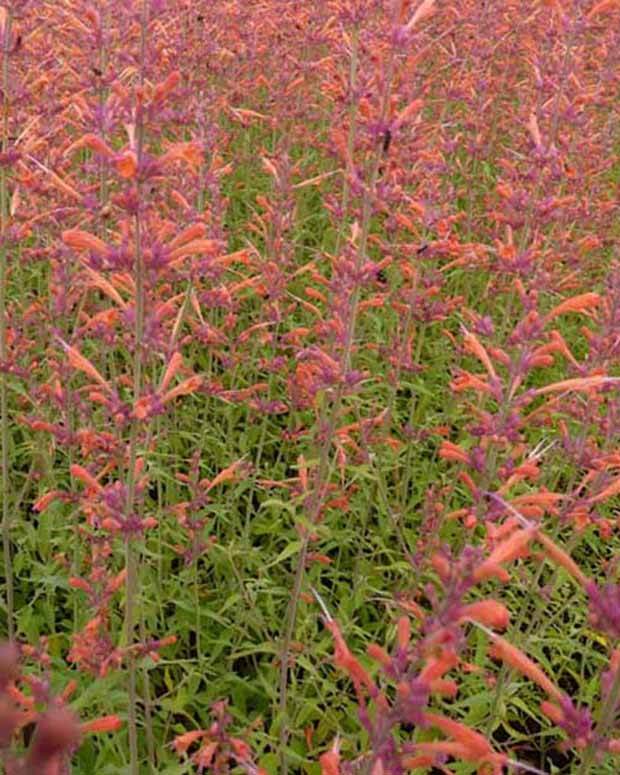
column 93, row 142
column 190, row 385
column 422, row 11
column 436, row 667
column 403, row 632
column 174, row 364
column 182, row 742
column 79, row 472
column 579, row 303
column 475, row 744
column 83, row 240
column 103, row 724
column 194, row 232
column 514, row 657
column 475, row 347
column 489, row 612
column 508, row 550
column 578, row 383
column 450, row 451
column 330, row 763
column 81, row 363
column 127, row 165
column 563, row 559
column 195, row 246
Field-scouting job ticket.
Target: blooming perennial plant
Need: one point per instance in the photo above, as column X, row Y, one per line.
column 309, row 386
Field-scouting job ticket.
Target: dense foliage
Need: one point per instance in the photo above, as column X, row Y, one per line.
column 309, row 401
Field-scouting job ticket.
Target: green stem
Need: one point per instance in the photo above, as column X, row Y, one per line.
column 346, row 190
column 331, row 411
column 198, row 611
column 132, row 553
column 103, row 94
column 132, row 558
column 4, row 407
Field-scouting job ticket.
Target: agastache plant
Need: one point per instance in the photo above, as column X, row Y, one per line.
column 6, row 34
column 116, row 506
column 330, row 373
column 309, row 335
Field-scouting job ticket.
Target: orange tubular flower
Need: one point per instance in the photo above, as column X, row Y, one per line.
column 344, row 659
column 437, row 667
column 467, row 381
column 190, row 385
column 225, row 475
column 608, row 492
column 194, row 232
column 79, row 472
column 127, row 165
column 182, row 742
column 194, row 246
column 488, row 612
column 83, row 240
column 602, row 7
column 94, row 143
column 580, row 303
column 330, row 763
column 466, row 744
column 508, row 550
column 450, row 451
column 475, row 347
column 81, row 363
column 514, row 657
column 104, row 724
column 578, row 383
column 174, row 364
column 560, row 557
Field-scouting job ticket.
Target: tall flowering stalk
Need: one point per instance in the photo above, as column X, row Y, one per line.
column 352, row 270
column 6, row 20
column 132, row 557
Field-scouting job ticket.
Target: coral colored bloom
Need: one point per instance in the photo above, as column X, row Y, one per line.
column 585, row 301
column 508, row 550
column 330, row 763
column 602, row 7
column 422, row 11
column 81, row 363
column 193, row 247
column 79, row 472
column 466, row 381
column 450, row 451
column 127, row 165
column 103, row 724
column 488, row 612
column 83, row 240
column 436, row 667
column 94, row 143
column 578, row 383
column 403, row 632
column 182, row 742
column 560, row 557
column 467, row 744
column 606, row 493
column 344, row 659
column 474, row 346
column 194, row 232
column 185, row 388
column 511, row 655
